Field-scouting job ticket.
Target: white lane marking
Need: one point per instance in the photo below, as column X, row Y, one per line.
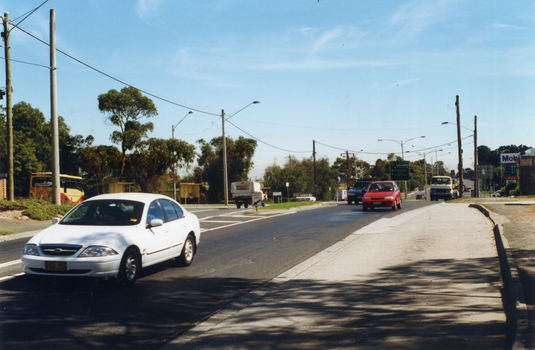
column 10, row 277
column 10, row 263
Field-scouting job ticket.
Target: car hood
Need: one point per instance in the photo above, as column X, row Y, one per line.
column 84, row 235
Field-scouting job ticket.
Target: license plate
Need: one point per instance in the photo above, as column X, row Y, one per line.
column 56, row 265
column 377, row 203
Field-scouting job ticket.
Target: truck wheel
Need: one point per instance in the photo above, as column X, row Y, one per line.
column 348, row 202
column 238, row 206
column 246, row 205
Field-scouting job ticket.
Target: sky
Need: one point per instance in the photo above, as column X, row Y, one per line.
column 341, row 73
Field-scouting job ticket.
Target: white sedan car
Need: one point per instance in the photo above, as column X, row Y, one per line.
column 305, row 197
column 114, row 235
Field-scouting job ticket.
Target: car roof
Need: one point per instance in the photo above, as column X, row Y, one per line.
column 140, row 197
column 382, row 182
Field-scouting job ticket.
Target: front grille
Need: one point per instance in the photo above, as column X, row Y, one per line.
column 59, row 249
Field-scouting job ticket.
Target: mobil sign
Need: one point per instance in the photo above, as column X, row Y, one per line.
column 510, row 157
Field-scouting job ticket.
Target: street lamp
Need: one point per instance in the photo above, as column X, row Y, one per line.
column 225, row 173
column 356, row 172
column 173, row 136
column 402, row 154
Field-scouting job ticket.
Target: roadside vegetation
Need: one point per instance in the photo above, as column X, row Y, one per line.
column 36, row 209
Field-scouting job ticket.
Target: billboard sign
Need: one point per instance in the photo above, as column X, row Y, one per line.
column 509, row 157
column 399, row 170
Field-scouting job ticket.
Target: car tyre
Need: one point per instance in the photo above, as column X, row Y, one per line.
column 188, row 252
column 364, row 208
column 394, row 206
column 399, row 204
column 129, row 268
column 348, row 202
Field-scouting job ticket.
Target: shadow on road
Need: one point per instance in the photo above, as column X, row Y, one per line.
column 411, row 305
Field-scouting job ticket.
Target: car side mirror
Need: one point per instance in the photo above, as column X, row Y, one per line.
column 156, row 222
column 55, row 221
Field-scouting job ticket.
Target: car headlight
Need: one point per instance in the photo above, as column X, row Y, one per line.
column 389, row 197
column 97, row 251
column 366, row 198
column 31, row 249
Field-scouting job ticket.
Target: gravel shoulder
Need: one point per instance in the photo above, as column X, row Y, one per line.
column 518, row 222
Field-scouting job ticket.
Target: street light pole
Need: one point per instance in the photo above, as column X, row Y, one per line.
column 225, row 173
column 173, row 137
column 402, row 154
column 459, row 147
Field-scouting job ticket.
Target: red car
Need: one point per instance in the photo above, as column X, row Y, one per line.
column 382, row 194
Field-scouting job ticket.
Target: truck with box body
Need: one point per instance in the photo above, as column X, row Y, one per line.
column 247, row 193
column 443, row 187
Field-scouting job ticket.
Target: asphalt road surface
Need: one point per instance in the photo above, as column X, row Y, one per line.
column 239, row 251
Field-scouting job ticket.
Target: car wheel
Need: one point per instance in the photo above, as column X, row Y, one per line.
column 188, row 252
column 348, row 202
column 399, row 205
column 129, row 268
column 364, row 208
column 394, row 206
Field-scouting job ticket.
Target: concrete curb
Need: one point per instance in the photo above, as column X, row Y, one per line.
column 514, row 303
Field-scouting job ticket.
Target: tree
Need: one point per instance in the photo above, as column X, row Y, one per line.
column 149, row 163
column 125, row 110
column 97, row 164
column 239, row 162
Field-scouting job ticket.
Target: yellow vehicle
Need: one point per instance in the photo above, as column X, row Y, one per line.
column 72, row 187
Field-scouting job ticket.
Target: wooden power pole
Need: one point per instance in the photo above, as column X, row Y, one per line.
column 9, row 113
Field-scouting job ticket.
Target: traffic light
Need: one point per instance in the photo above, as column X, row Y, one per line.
column 412, row 169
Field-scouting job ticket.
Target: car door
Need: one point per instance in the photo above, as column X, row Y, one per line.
column 158, row 240
column 177, row 230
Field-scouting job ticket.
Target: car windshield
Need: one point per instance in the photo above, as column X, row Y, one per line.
column 381, row 188
column 108, row 212
column 360, row 186
column 440, row 181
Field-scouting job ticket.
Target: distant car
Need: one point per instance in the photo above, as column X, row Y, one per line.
column 114, row 235
column 381, row 194
column 356, row 192
column 421, row 196
column 305, row 197
column 497, row 194
column 467, row 189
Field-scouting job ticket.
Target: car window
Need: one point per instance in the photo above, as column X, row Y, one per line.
column 169, row 210
column 105, row 212
column 179, row 210
column 155, row 212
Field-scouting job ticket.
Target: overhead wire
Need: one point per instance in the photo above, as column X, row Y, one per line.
column 117, row 79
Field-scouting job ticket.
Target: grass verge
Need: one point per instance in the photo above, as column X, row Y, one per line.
column 36, row 209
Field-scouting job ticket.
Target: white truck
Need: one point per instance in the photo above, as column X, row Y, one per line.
column 247, row 193
column 443, row 187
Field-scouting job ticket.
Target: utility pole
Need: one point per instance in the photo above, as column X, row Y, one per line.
column 459, row 146
column 225, row 174
column 348, row 169
column 9, row 113
column 315, row 179
column 56, row 186
column 476, row 175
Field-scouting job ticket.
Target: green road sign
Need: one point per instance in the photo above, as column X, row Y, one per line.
column 400, row 170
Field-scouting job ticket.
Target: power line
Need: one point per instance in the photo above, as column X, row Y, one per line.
column 265, row 143
column 29, row 63
column 116, row 79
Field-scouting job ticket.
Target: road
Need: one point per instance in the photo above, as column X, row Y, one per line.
column 238, row 253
